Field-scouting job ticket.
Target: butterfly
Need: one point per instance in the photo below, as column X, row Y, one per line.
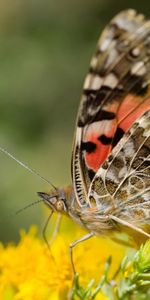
column 110, row 192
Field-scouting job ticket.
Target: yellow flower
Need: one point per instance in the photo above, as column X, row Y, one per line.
column 30, row 271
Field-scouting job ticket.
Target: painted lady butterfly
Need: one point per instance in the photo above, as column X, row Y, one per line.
column 111, row 153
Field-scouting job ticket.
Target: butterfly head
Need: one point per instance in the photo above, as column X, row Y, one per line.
column 56, row 200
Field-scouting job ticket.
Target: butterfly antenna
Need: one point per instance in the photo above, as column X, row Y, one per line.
column 27, row 206
column 6, row 152
column 20, row 210
column 32, row 203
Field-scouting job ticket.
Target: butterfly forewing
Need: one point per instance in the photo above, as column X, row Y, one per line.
column 115, row 94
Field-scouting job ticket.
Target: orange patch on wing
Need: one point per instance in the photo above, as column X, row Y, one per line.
column 92, row 134
column 129, row 110
column 96, row 158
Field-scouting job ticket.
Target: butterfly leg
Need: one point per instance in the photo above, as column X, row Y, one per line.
column 72, row 245
column 128, row 224
column 55, row 232
column 44, row 235
column 56, row 229
column 44, row 230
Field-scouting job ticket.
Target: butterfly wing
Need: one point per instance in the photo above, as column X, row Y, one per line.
column 121, row 187
column 115, row 94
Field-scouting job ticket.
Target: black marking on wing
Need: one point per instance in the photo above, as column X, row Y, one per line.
column 105, row 140
column 90, row 92
column 135, row 85
column 91, row 174
column 100, row 116
column 107, row 115
column 118, row 135
column 89, row 147
column 96, row 96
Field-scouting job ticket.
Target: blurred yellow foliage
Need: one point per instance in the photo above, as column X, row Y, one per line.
column 30, row 271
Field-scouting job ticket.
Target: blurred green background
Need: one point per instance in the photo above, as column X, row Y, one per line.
column 45, row 49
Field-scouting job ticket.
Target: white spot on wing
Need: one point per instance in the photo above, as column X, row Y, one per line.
column 93, row 82
column 136, row 51
column 96, row 82
column 94, row 62
column 105, row 44
column 78, row 135
column 112, row 176
column 129, row 149
column 122, row 172
column 111, row 80
column 113, row 54
column 138, row 68
column 87, row 81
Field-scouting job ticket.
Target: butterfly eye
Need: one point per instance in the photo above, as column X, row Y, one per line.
column 53, row 200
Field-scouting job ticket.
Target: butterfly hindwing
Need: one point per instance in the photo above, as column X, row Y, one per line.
column 121, row 186
column 116, row 92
